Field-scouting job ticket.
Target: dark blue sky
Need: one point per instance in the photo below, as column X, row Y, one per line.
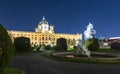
column 68, row 16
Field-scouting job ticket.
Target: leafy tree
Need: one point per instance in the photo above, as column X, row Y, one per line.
column 6, row 49
column 92, row 44
column 22, row 44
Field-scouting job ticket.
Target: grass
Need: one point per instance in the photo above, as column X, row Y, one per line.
column 108, row 50
column 13, row 71
column 82, row 60
column 24, row 52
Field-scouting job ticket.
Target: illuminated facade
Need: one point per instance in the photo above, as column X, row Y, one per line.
column 44, row 34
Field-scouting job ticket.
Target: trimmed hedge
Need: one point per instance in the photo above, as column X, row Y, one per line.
column 92, row 44
column 115, row 45
column 61, row 44
column 6, row 48
column 22, row 44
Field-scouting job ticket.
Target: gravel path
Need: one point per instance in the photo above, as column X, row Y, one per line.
column 34, row 63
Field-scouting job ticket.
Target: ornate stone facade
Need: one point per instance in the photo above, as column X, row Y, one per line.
column 44, row 34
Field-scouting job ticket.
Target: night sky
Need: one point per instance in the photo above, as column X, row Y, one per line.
column 68, row 16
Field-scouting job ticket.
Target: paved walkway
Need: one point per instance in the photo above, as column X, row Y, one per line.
column 34, row 63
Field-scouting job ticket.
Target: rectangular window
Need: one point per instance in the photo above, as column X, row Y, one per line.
column 32, row 38
column 49, row 38
column 42, row 38
column 35, row 38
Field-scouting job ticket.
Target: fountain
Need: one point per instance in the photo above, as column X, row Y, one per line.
column 82, row 53
column 81, row 49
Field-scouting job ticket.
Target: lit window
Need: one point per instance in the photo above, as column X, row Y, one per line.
column 42, row 38
column 35, row 38
column 46, row 38
column 32, row 38
column 49, row 38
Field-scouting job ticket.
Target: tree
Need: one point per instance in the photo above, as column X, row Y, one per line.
column 92, row 44
column 22, row 44
column 6, row 48
column 62, row 43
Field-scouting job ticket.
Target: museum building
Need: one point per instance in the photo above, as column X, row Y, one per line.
column 44, row 34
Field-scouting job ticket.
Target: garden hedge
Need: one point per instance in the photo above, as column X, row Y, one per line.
column 61, row 44
column 6, row 48
column 22, row 44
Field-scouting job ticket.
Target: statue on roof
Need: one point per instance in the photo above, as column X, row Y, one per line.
column 43, row 18
column 43, row 21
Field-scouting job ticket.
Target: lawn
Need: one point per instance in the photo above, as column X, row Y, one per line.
column 108, row 50
column 13, row 71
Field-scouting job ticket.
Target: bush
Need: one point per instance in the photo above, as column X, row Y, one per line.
column 6, row 48
column 115, row 45
column 22, row 44
column 42, row 48
column 58, row 47
column 36, row 47
column 63, row 43
column 47, row 47
column 92, row 44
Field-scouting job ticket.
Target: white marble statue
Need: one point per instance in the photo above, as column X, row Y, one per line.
column 81, row 49
column 90, row 32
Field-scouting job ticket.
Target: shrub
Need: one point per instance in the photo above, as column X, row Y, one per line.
column 92, row 44
column 115, row 45
column 6, row 48
column 36, row 47
column 58, row 47
column 42, row 48
column 47, row 47
column 22, row 44
column 63, row 43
